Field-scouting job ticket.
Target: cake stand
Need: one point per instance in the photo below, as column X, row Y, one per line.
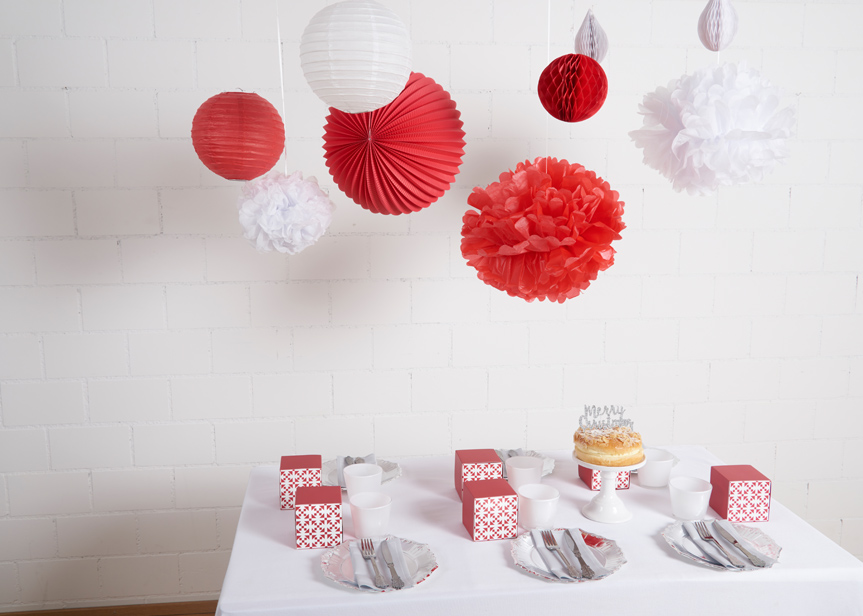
column 607, row 506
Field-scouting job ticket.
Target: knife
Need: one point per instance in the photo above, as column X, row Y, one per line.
column 752, row 557
column 388, row 559
column 586, row 571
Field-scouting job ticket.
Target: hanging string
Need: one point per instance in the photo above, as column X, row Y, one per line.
column 547, row 62
column 282, row 80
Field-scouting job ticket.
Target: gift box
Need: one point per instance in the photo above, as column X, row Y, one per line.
column 740, row 493
column 490, row 509
column 476, row 465
column 318, row 516
column 593, row 480
column 297, row 471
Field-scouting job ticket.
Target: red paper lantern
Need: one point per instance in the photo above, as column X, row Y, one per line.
column 573, row 87
column 402, row 157
column 238, row 135
column 543, row 231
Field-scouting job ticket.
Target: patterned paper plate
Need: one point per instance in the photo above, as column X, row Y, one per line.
column 680, row 542
column 330, row 472
column 547, row 463
column 606, row 551
column 337, row 566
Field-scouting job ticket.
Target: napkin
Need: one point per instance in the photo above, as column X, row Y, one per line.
column 555, row 565
column 340, row 466
column 746, row 544
column 364, row 573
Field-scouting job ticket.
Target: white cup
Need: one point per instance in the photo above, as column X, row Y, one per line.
column 690, row 497
column 537, row 504
column 362, row 478
column 370, row 513
column 657, row 468
column 522, row 470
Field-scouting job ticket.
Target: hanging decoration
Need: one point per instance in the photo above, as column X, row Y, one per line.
column 572, row 87
column 722, row 125
column 717, row 24
column 400, row 158
column 356, row 55
column 543, row 231
column 284, row 213
column 238, row 135
column 591, row 40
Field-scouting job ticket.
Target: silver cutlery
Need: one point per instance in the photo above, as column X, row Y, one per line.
column 701, row 527
column 586, row 571
column 367, row 549
column 551, row 544
column 398, row 584
column 752, row 557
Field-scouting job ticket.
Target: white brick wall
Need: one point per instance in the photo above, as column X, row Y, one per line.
column 149, row 356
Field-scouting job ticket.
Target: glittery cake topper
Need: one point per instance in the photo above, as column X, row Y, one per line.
column 598, row 417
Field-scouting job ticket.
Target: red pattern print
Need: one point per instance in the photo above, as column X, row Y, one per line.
column 749, row 501
column 495, row 518
column 318, row 526
column 292, row 479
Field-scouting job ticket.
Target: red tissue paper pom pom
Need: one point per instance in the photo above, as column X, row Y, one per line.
column 402, row 157
column 543, row 231
column 573, row 87
column 238, row 135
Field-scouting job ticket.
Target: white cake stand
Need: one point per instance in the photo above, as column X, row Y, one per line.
column 607, row 506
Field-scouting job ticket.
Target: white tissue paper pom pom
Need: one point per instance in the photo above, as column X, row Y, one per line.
column 284, row 213
column 720, row 126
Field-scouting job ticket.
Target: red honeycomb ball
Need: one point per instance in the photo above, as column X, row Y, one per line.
column 573, row 87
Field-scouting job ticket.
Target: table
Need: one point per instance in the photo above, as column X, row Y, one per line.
column 268, row 576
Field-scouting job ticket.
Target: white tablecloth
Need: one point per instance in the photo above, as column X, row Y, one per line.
column 268, row 576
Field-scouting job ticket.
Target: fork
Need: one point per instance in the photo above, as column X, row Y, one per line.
column 701, row 527
column 367, row 549
column 551, row 544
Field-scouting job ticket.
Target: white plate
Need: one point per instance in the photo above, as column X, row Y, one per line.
column 606, row 551
column 676, row 537
column 337, row 566
column 330, row 472
column 547, row 463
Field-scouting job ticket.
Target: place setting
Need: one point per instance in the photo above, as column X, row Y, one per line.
column 375, row 561
column 720, row 544
column 333, row 471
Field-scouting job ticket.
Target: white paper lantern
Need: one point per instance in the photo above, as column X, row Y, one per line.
column 717, row 24
column 591, row 39
column 356, row 55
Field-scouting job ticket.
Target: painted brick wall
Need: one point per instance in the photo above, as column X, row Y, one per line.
column 149, row 357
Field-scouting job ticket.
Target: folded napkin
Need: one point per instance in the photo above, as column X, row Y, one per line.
column 340, row 466
column 364, row 573
column 713, row 553
column 553, row 562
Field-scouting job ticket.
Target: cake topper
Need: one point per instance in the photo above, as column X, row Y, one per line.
column 598, row 417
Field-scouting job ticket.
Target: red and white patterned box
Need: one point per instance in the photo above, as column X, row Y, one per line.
column 740, row 493
column 593, row 480
column 476, row 465
column 296, row 471
column 490, row 509
column 318, row 516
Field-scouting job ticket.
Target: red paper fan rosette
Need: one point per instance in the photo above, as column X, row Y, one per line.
column 402, row 157
column 573, row 87
column 238, row 135
column 543, row 231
